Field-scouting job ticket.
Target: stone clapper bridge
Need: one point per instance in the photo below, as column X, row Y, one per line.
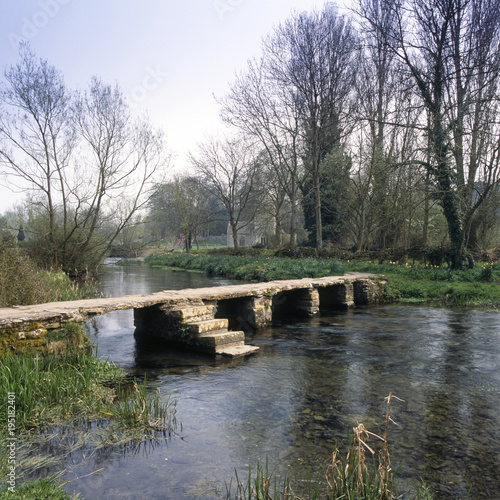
column 209, row 320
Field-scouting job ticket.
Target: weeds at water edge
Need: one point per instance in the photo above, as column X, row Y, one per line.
column 344, row 478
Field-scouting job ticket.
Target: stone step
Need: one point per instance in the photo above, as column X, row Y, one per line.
column 215, row 339
column 193, row 314
column 200, row 327
column 236, row 350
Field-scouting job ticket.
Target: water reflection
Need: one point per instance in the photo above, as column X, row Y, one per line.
column 306, row 388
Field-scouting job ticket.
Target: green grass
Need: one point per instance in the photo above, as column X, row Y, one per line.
column 63, row 386
column 67, row 385
column 52, row 388
column 416, row 283
column 405, row 282
column 40, row 489
column 260, row 268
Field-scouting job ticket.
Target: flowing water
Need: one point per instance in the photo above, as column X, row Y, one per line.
column 310, row 383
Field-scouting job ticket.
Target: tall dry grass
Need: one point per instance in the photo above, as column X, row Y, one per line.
column 362, row 474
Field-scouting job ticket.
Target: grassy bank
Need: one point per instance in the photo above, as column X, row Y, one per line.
column 66, row 385
column 405, row 282
column 255, row 268
column 24, row 283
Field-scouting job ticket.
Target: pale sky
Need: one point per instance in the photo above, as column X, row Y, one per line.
column 168, row 56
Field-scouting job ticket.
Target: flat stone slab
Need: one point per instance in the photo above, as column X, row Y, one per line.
column 221, row 339
column 208, row 325
column 54, row 314
column 197, row 313
column 237, row 351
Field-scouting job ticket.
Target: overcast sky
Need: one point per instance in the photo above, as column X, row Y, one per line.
column 168, row 56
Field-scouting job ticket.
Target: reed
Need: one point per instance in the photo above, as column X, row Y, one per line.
column 144, row 410
column 67, row 384
column 264, row 486
column 53, row 387
column 351, row 477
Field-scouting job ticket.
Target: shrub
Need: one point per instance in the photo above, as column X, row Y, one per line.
column 23, row 283
column 20, row 280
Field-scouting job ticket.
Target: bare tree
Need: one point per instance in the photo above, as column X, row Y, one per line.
column 37, row 135
column 269, row 112
column 88, row 164
column 229, row 170
column 123, row 162
column 313, row 57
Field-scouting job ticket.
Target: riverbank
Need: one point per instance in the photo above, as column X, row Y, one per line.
column 407, row 282
column 65, row 386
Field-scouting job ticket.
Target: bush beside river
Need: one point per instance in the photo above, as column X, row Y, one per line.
column 405, row 282
column 22, row 282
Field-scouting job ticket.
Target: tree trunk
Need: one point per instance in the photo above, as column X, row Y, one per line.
column 448, row 197
column 293, row 230
column 425, row 227
column 234, row 228
column 317, row 206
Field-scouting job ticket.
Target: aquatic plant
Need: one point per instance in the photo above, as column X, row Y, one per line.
column 68, row 382
column 144, row 410
column 351, row 477
column 68, row 385
column 264, row 486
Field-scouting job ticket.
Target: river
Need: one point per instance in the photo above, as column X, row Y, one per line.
column 302, row 393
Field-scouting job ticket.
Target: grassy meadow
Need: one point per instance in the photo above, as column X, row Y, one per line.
column 405, row 282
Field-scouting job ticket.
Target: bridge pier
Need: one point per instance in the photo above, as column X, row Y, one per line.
column 339, row 296
column 246, row 313
column 298, row 303
column 191, row 325
column 366, row 291
column 257, row 311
